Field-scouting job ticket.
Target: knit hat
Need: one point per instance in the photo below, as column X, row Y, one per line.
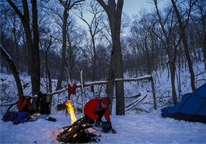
column 106, row 101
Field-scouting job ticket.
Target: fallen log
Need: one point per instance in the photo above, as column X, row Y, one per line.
column 135, row 103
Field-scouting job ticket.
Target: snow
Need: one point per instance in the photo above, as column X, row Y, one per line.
column 133, row 127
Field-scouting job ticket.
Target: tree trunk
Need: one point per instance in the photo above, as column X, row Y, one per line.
column 204, row 40
column 172, row 70
column 9, row 61
column 114, row 13
column 147, row 55
column 204, row 51
column 170, row 51
column 64, row 31
column 120, row 101
column 93, row 63
column 68, row 5
column 48, row 73
column 120, row 104
column 185, row 44
column 33, row 47
column 35, row 52
column 172, row 59
column 16, row 44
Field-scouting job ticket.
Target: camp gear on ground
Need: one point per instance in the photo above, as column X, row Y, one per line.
column 24, row 104
column 9, row 116
column 34, row 117
column 22, row 117
column 50, row 119
column 41, row 104
column 93, row 131
column 16, row 117
column 106, row 126
column 192, row 108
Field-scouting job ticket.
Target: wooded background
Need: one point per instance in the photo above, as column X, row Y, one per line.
column 44, row 39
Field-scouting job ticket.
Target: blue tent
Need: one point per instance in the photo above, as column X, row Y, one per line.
column 192, row 108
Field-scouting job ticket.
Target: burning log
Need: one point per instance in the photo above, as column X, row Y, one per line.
column 78, row 132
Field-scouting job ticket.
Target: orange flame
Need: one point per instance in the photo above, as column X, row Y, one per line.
column 70, row 110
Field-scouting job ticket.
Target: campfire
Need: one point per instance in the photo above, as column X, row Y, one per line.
column 79, row 131
column 70, row 110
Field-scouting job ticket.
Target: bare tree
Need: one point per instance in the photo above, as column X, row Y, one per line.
column 32, row 39
column 94, row 28
column 114, row 13
column 199, row 20
column 74, row 38
column 184, row 38
column 11, row 33
column 46, row 45
column 68, row 5
column 145, row 38
column 10, row 62
column 167, row 28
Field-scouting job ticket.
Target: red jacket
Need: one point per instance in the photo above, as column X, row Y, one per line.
column 92, row 106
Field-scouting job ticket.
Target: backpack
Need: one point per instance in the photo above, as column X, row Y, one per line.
column 41, row 104
column 24, row 104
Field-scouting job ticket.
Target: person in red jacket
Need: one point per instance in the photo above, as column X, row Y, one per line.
column 96, row 108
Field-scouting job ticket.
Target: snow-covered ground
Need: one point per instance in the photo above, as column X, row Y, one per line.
column 131, row 128
column 142, row 124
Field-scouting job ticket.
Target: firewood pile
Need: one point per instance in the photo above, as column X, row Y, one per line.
column 78, row 133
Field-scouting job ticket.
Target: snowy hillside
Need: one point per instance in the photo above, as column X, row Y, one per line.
column 141, row 124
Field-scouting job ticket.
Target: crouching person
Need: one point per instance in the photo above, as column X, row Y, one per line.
column 95, row 109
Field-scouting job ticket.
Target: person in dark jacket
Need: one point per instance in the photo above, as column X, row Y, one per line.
column 96, row 108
